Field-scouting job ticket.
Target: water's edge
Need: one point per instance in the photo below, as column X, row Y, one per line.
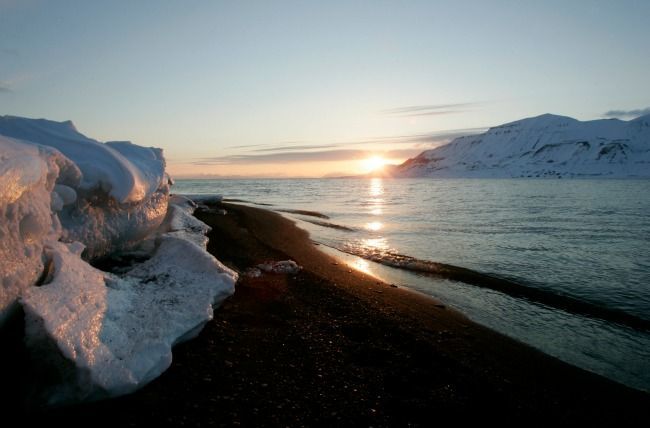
column 562, row 267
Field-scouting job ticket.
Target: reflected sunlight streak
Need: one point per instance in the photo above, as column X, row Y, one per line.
column 375, row 191
column 375, row 244
column 376, row 187
column 362, row 265
column 374, row 226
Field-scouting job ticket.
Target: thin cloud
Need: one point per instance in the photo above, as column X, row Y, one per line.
column 427, row 140
column 439, row 137
column 339, row 151
column 247, row 146
column 11, row 84
column 628, row 113
column 429, row 110
column 430, row 138
column 401, row 153
column 299, row 157
column 284, row 157
column 306, row 147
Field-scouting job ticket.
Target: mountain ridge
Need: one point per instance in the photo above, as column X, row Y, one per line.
column 542, row 146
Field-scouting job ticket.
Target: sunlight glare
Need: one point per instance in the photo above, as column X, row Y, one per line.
column 362, row 265
column 376, row 188
column 374, row 226
column 374, row 245
column 373, row 163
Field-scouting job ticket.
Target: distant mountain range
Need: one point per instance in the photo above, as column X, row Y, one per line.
column 542, row 146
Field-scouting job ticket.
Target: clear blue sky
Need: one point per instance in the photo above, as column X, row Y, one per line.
column 203, row 78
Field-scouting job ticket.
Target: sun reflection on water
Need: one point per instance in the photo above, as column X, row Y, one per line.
column 374, row 226
column 362, row 265
column 376, row 187
column 375, row 244
column 375, row 201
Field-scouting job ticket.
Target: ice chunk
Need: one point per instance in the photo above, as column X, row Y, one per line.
column 102, row 334
column 67, row 194
column 105, row 226
column 112, row 196
column 253, row 272
column 27, row 175
column 204, row 198
column 127, row 172
column 119, row 330
column 182, row 223
column 285, row 266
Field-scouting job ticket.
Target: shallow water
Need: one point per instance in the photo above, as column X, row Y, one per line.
column 585, row 239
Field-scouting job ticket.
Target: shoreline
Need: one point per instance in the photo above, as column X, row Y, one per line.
column 333, row 346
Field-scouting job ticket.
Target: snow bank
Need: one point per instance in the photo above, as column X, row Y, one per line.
column 63, row 195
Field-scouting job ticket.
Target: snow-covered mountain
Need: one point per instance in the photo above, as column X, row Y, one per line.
column 542, row 146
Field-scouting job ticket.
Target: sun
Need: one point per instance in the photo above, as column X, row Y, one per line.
column 373, row 163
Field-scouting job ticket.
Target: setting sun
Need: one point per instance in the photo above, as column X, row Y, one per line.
column 373, row 163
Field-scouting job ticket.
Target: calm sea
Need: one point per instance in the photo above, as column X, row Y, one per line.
column 568, row 241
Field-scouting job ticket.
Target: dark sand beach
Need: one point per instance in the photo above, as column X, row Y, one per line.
column 331, row 346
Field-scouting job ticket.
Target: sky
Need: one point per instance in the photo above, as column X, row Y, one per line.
column 313, row 88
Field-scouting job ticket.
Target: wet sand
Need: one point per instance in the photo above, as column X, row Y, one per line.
column 331, row 346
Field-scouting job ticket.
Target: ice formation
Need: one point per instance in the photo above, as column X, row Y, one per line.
column 65, row 199
column 283, row 266
column 253, row 272
column 128, row 173
column 27, row 181
column 119, row 330
column 115, row 195
column 59, row 184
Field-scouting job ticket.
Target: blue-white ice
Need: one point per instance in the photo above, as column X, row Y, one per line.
column 115, row 194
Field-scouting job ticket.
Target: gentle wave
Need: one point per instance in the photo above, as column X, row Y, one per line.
column 503, row 285
column 304, row 212
column 330, row 225
column 579, row 238
column 247, row 202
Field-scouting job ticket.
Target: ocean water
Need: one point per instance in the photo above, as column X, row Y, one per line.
column 579, row 250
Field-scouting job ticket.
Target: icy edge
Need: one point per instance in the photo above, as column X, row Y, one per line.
column 118, row 331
